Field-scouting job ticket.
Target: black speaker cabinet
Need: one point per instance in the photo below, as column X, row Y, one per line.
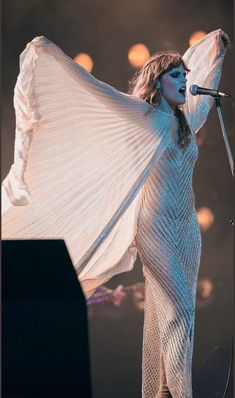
column 44, row 323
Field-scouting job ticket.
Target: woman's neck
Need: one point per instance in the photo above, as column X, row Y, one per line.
column 164, row 106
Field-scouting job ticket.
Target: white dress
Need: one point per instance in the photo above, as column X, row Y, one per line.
column 169, row 243
column 98, row 168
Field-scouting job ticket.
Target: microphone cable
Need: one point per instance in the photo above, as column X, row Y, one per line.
column 229, row 373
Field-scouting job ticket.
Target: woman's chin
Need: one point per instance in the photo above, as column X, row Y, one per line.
column 182, row 102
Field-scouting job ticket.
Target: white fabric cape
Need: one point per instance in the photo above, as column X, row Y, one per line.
column 83, row 150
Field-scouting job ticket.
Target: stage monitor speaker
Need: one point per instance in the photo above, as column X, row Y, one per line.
column 44, row 323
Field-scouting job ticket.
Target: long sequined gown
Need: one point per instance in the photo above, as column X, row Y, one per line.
column 99, row 169
column 169, row 245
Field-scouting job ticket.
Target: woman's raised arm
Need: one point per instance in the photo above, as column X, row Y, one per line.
column 205, row 60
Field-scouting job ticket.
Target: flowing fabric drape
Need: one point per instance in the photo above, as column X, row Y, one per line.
column 83, row 151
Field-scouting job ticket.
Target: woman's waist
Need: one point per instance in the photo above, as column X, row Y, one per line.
column 168, row 207
column 172, row 219
column 168, row 200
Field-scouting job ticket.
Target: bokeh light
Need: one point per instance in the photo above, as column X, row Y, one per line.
column 205, row 292
column 205, row 218
column 195, row 36
column 138, row 55
column 85, row 61
column 201, row 136
column 205, row 287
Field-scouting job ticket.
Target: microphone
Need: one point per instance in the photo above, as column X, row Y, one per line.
column 196, row 90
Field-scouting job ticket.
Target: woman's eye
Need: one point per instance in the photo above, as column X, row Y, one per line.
column 177, row 74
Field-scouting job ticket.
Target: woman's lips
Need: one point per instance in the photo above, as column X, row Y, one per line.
column 182, row 91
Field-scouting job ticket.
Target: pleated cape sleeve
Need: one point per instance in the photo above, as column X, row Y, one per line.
column 204, row 59
column 83, row 150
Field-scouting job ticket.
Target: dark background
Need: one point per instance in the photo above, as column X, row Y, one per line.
column 106, row 29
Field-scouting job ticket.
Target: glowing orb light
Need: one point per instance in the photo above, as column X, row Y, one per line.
column 205, row 218
column 85, row 61
column 206, row 287
column 138, row 55
column 195, row 36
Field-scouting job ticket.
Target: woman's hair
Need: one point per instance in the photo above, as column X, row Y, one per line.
column 143, row 85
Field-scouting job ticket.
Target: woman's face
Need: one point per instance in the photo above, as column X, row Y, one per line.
column 173, row 86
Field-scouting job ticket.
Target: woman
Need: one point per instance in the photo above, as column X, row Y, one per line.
column 111, row 173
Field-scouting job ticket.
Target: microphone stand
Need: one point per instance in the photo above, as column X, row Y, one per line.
column 227, row 146
column 230, row 158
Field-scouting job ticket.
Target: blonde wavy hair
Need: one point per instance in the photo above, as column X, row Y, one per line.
column 144, row 85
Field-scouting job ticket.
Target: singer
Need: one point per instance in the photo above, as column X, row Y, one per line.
column 111, row 173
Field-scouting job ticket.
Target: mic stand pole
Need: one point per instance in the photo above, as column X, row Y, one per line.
column 227, row 146
column 230, row 158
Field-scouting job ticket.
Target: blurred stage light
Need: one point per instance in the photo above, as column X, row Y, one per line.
column 199, row 139
column 85, row 61
column 201, row 136
column 205, row 292
column 138, row 296
column 205, row 287
column 195, row 36
column 138, row 55
column 205, row 218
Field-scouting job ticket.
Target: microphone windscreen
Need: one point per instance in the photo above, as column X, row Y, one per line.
column 193, row 89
